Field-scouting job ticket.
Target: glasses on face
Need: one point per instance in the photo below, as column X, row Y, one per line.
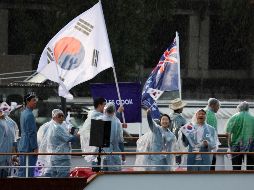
column 60, row 116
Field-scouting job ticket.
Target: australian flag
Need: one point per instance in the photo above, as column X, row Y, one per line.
column 164, row 77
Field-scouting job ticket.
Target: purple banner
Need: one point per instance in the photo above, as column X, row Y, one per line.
column 130, row 94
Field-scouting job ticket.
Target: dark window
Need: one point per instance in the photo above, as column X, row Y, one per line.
column 229, row 45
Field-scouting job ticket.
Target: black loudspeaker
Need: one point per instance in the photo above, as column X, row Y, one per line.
column 100, row 133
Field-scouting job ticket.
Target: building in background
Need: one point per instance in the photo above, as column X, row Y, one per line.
column 217, row 55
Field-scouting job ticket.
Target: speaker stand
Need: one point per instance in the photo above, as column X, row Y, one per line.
column 98, row 168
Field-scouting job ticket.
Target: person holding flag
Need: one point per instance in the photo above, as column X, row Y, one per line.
column 158, row 139
column 198, row 136
column 164, row 77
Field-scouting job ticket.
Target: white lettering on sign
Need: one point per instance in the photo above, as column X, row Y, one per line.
column 124, row 102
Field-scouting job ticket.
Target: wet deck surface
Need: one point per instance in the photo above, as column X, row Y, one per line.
column 79, row 161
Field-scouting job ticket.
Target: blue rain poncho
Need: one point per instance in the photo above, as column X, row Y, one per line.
column 41, row 133
column 7, row 140
column 156, row 140
column 42, row 160
column 84, row 132
column 14, row 128
column 43, row 129
column 177, row 121
column 116, row 138
column 9, row 134
column 6, row 110
column 194, row 142
column 53, row 138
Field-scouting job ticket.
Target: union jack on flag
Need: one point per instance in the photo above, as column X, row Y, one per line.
column 166, row 71
column 164, row 77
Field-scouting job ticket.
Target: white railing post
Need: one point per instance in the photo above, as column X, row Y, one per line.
column 27, row 164
column 245, row 162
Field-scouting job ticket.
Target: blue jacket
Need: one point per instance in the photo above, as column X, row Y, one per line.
column 28, row 139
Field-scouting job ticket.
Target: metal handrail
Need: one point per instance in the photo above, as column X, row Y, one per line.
column 123, row 153
column 14, row 73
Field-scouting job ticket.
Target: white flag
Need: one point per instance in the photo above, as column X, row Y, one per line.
column 78, row 52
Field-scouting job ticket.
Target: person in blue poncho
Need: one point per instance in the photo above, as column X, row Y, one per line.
column 56, row 139
column 84, row 131
column 116, row 138
column 177, row 121
column 199, row 137
column 28, row 139
column 7, row 140
column 158, row 139
column 43, row 140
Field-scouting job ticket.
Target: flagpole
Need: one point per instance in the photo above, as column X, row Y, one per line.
column 113, row 66
column 179, row 74
column 118, row 92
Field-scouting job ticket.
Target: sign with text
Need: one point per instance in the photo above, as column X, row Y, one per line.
column 130, row 94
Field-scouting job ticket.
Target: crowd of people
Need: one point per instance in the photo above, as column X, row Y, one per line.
column 172, row 133
column 175, row 134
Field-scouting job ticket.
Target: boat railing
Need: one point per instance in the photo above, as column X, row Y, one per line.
column 229, row 154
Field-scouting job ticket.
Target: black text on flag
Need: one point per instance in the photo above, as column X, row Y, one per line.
column 84, row 27
column 50, row 56
column 95, row 57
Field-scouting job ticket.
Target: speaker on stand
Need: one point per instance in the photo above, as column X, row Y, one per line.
column 99, row 137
